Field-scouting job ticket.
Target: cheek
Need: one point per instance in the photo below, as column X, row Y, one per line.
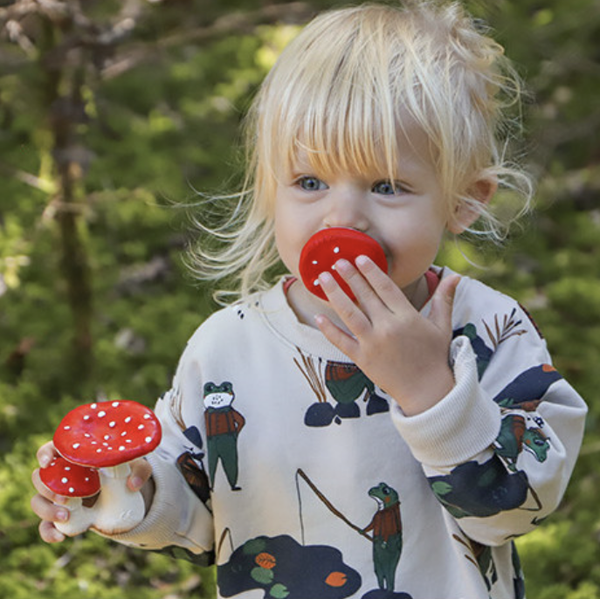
column 412, row 249
column 288, row 241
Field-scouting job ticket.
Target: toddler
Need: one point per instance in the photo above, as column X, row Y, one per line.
column 388, row 446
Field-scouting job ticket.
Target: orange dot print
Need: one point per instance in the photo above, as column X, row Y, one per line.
column 336, row 579
column 265, row 560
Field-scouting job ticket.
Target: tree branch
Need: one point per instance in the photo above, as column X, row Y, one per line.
column 238, row 23
column 36, row 182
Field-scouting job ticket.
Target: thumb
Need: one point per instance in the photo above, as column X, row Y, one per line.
column 141, row 471
column 442, row 303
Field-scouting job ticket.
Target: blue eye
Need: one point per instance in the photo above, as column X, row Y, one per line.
column 387, row 188
column 311, row 184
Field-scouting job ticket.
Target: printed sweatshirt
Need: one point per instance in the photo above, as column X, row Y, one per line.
column 286, row 466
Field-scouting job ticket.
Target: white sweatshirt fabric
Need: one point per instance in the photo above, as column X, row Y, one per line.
column 286, row 466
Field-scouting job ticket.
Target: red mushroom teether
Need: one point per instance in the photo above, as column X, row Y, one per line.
column 108, row 435
column 75, row 482
column 327, row 246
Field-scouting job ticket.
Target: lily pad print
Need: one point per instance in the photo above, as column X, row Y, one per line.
column 284, row 569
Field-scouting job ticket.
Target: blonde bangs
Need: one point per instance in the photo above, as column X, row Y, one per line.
column 336, row 106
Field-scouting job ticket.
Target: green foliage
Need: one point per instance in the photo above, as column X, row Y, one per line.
column 159, row 117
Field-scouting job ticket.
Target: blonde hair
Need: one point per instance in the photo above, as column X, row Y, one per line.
column 342, row 89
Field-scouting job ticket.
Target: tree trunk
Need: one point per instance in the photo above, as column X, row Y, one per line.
column 64, row 71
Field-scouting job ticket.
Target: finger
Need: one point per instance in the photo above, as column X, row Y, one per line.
column 48, row 511
column 141, row 471
column 350, row 314
column 387, row 291
column 442, row 303
column 46, row 453
column 363, row 291
column 49, row 533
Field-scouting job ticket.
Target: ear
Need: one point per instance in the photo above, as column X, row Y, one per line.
column 465, row 214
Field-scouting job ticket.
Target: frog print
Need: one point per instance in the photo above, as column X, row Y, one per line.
column 223, row 426
column 386, row 526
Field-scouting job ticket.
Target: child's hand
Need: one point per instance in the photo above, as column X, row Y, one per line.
column 50, row 507
column 402, row 352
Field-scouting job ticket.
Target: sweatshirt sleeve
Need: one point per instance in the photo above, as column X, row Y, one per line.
column 180, row 515
column 499, row 449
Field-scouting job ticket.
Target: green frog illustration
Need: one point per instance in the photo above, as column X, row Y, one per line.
column 386, row 526
column 514, row 437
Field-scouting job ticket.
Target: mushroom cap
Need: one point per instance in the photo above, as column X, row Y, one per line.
column 327, row 246
column 70, row 480
column 107, row 433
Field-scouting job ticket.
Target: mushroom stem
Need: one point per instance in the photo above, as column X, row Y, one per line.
column 79, row 520
column 118, row 471
column 118, row 509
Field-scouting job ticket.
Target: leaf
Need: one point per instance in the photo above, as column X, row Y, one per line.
column 279, row 591
column 441, row 488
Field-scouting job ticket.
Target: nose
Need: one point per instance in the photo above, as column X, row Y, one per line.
column 347, row 207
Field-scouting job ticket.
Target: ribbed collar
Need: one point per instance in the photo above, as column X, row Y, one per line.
column 280, row 318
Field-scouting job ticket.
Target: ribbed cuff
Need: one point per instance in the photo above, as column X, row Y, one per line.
column 462, row 425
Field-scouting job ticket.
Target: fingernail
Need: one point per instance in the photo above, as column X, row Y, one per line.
column 362, row 260
column 58, row 536
column 343, row 265
column 137, row 482
column 326, row 279
column 62, row 515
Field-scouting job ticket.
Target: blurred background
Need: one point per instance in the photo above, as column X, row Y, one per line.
column 113, row 116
